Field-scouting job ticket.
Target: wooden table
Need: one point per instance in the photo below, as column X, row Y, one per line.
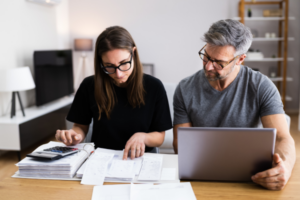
column 33, row 189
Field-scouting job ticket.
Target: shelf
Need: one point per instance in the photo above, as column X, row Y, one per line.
column 283, row 40
column 277, row 79
column 35, row 112
column 262, row 39
column 267, row 60
column 263, row 18
column 262, row 3
column 288, row 98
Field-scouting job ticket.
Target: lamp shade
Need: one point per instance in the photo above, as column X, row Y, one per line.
column 83, row 44
column 16, row 79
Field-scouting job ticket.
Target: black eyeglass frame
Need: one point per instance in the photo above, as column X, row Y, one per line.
column 212, row 61
column 105, row 71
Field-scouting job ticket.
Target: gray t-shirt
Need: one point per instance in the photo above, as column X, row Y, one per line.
column 249, row 97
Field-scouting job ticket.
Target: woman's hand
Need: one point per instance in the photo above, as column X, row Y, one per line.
column 136, row 144
column 68, row 137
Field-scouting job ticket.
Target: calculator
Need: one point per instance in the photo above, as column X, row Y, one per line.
column 53, row 153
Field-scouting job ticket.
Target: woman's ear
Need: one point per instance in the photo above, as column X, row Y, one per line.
column 133, row 49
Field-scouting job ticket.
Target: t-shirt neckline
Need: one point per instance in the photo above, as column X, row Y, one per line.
column 234, row 82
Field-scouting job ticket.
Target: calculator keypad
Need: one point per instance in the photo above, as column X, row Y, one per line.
column 59, row 149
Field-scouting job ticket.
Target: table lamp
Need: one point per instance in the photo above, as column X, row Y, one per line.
column 82, row 45
column 15, row 80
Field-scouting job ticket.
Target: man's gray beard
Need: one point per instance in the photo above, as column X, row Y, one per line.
column 218, row 77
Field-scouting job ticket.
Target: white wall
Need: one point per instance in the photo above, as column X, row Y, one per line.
column 63, row 25
column 26, row 27
column 167, row 33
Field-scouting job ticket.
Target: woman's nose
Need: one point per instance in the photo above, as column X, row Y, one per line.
column 119, row 73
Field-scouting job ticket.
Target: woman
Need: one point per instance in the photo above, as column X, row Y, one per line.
column 130, row 109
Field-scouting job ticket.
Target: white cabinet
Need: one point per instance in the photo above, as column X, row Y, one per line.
column 20, row 132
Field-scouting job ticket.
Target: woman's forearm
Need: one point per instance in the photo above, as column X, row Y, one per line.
column 81, row 129
column 154, row 139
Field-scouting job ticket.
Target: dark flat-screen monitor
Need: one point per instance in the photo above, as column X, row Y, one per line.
column 53, row 75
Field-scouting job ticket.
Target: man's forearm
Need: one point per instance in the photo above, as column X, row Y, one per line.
column 175, row 138
column 285, row 147
column 175, row 146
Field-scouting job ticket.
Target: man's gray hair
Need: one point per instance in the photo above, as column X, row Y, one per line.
column 229, row 32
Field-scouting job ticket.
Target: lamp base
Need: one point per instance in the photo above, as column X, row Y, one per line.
column 82, row 70
column 13, row 104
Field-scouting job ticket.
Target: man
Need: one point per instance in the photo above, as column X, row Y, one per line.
column 227, row 94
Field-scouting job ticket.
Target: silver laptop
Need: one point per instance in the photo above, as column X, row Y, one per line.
column 224, row 154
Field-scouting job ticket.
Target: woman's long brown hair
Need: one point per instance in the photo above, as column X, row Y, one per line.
column 116, row 37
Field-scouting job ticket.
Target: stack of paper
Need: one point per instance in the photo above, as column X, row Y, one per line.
column 63, row 168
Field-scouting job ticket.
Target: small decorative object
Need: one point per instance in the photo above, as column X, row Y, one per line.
column 273, row 35
column 274, row 56
column 267, row 35
column 255, row 54
column 272, row 13
column 148, row 68
column 249, row 12
column 254, row 33
column 273, row 72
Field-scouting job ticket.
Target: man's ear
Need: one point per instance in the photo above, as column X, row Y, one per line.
column 241, row 59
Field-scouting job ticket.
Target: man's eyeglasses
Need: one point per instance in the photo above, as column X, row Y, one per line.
column 218, row 65
column 122, row 67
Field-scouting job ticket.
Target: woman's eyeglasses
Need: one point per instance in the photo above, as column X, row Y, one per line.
column 122, row 67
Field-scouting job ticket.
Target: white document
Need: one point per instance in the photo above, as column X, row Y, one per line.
column 96, row 168
column 138, row 165
column 172, row 191
column 121, row 169
column 118, row 155
column 151, row 168
column 168, row 174
column 111, row 192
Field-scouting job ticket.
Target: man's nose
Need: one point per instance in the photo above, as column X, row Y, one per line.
column 209, row 66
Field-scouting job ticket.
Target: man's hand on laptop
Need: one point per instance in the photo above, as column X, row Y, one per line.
column 274, row 178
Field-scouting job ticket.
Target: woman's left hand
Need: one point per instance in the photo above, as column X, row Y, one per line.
column 136, row 144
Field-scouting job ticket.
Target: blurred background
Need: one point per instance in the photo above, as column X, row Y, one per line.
column 167, row 33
